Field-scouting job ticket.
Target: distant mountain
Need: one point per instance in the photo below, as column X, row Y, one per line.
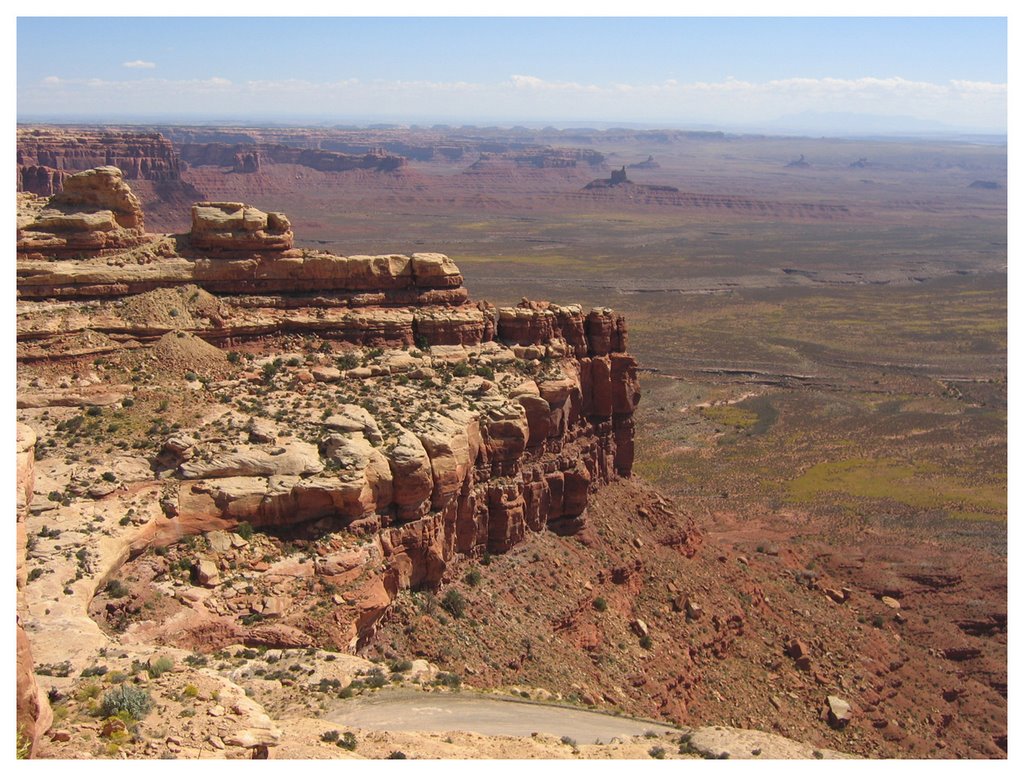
column 848, row 123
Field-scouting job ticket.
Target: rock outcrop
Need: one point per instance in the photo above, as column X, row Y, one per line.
column 95, row 211
column 233, row 226
column 251, row 158
column 48, row 156
column 34, row 715
column 448, row 427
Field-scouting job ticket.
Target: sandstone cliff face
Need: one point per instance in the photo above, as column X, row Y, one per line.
column 34, row 715
column 250, row 158
column 46, row 157
column 449, row 427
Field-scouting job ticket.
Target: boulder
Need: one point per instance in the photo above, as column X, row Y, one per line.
column 839, row 711
column 206, row 573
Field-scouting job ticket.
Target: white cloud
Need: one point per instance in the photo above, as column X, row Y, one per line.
column 528, row 97
column 139, row 64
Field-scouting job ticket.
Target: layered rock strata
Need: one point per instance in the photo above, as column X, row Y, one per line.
column 96, row 211
column 47, row 156
column 444, row 427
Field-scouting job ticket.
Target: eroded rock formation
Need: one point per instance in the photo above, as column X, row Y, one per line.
column 47, row 156
column 95, row 211
column 448, row 427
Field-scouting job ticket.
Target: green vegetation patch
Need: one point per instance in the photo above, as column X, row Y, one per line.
column 730, row 415
column 917, row 485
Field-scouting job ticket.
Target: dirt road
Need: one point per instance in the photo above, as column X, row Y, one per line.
column 403, row 710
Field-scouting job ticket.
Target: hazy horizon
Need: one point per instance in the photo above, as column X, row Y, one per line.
column 858, row 75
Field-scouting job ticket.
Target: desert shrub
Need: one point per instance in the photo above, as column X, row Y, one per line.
column 397, row 755
column 376, row 679
column 347, row 361
column 600, row 604
column 55, row 669
column 657, row 752
column 473, row 578
column 462, row 369
column 125, row 698
column 160, row 666
column 116, row 589
column 485, row 371
column 94, row 671
column 569, row 741
column 454, row 603
column 88, row 692
column 24, row 745
column 348, row 741
column 330, row 736
column 108, row 477
column 190, row 691
column 646, row 642
column 34, row 574
column 454, row 681
column 245, row 530
column 401, row 666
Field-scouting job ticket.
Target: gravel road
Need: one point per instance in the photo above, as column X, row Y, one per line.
column 404, row 710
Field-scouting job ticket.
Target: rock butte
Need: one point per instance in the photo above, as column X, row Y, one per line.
column 534, row 413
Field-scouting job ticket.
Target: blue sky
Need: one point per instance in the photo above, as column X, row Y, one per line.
column 949, row 71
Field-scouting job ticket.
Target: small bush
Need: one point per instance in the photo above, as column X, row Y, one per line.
column 473, row 578
column 88, row 692
column 34, row 574
column 160, row 666
column 109, row 477
column 330, row 736
column 115, row 589
column 396, row 755
column 190, row 691
column 454, row 603
column 454, row 681
column 601, row 605
column 245, row 530
column 125, row 698
column 657, row 752
column 348, row 741
column 569, row 741
column 646, row 642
